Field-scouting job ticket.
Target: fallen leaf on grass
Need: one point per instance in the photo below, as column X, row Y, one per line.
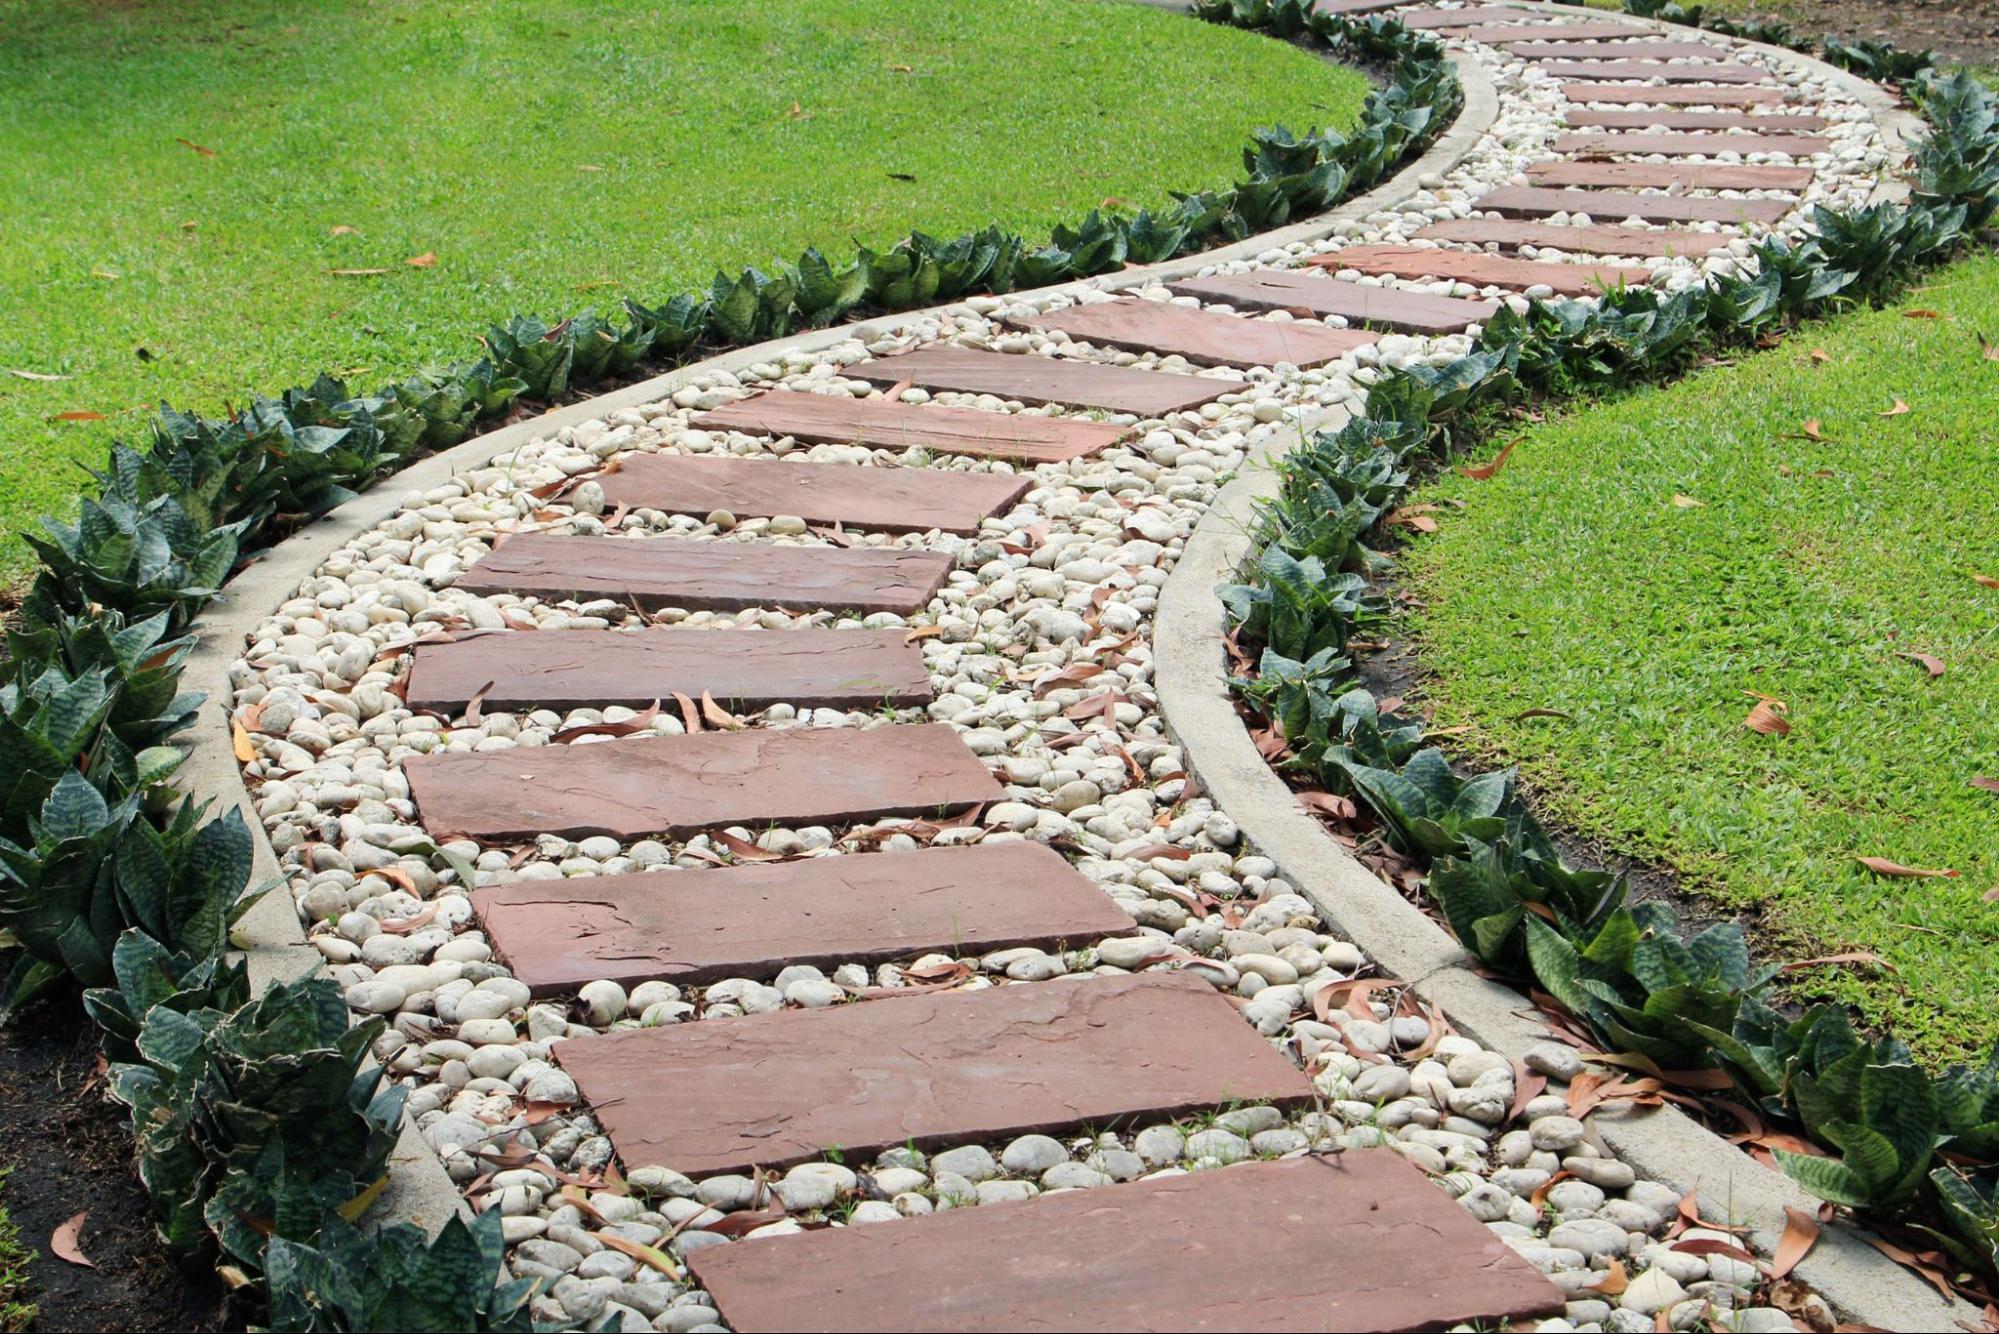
column 1898, row 410
column 342, row 229
column 1987, row 348
column 1986, row 784
column 1486, row 471
column 901, row 69
column 1768, row 716
column 1413, row 516
column 1930, row 661
column 1801, row 1233
column 1820, row 355
column 1882, row 866
column 423, row 261
column 65, row 1242
column 1990, row 896
column 1540, row 713
column 1813, row 430
column 35, row 375
column 356, row 273
column 1922, row 313
column 1988, row 580
column 78, row 415
column 1688, row 503
column 202, row 149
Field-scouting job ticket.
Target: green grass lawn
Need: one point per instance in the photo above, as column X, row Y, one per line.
column 549, row 157
column 1574, row 581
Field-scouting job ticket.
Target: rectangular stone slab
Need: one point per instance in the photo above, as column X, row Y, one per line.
column 770, row 1090
column 698, row 574
column 681, row 785
column 1661, row 175
column 1511, row 235
column 1529, row 29
column 1774, row 122
column 1354, row 1241
column 1687, row 145
column 882, row 500
column 1380, row 307
column 1411, row 261
column 1356, row 6
column 1614, row 50
column 753, row 921
column 576, row 669
column 1421, row 20
column 1205, row 337
column 1705, row 71
column 1033, row 379
column 1529, row 201
column 879, row 423
column 1646, row 94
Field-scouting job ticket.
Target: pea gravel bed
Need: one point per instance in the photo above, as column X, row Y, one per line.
column 1038, row 648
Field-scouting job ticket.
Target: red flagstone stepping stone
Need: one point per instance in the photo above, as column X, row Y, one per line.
column 1419, row 20
column 1531, row 201
column 1687, row 145
column 1529, row 29
column 726, row 576
column 1510, row 235
column 1784, row 122
column 883, row 500
column 574, row 669
column 1382, row 307
column 1356, row 6
column 1688, row 176
column 1602, row 50
column 681, row 785
column 1032, row 379
column 1206, row 337
column 871, row 907
column 1687, row 72
column 1651, row 94
column 1410, row 261
column 879, row 423
column 771, row 1090
column 1354, row 1241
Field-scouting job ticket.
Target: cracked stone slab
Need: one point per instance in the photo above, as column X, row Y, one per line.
column 1318, row 294
column 752, row 921
column 1535, row 201
column 1584, row 117
column 747, row 669
column 1204, row 337
column 770, row 1090
column 1409, row 261
column 683, row 785
column 875, row 499
column 1670, row 175
column 1357, row 1241
column 1652, row 95
column 1036, row 380
column 1682, row 145
column 1703, row 71
column 1510, row 235
column 700, row 574
column 881, row 423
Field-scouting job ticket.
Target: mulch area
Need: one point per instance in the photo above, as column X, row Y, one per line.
column 1961, row 31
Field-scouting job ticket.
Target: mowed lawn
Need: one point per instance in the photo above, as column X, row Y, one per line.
column 186, row 182
column 1649, row 565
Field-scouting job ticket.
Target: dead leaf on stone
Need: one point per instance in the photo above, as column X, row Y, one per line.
column 1895, row 870
column 474, row 705
column 423, row 261
column 898, row 389
column 1485, row 472
column 1898, row 410
column 717, row 716
column 744, row 1220
column 689, row 715
column 239, row 740
column 1688, row 503
column 1768, row 716
column 1931, row 663
column 630, row 727
column 1801, row 1233
column 923, row 632
column 649, row 1256
column 1613, row 1283
column 66, row 1242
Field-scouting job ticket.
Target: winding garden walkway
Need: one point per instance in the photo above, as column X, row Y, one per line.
column 1081, row 946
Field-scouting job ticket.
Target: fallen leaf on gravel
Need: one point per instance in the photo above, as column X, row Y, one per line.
column 202, row 149
column 1688, row 503
column 239, row 738
column 65, row 1244
column 1768, row 716
column 1882, row 866
column 899, row 388
column 35, row 375
column 1486, row 471
column 477, row 703
column 1929, row 660
column 717, row 716
column 629, row 727
column 923, row 632
column 1801, row 1233
column 645, row 1255
column 745, row 1220
column 1986, row 784
column 1899, row 409
column 1615, row 1282
column 423, row 261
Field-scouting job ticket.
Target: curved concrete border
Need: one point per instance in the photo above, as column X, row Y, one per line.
column 270, row 934
column 1663, row 1144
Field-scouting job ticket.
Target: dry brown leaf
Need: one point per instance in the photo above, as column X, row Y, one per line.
column 423, row 261
column 630, row 727
column 1820, row 355
column 1412, row 516
column 342, row 229
column 1932, row 663
column 202, row 149
column 239, row 741
column 1990, row 896
column 476, row 704
column 717, row 716
column 689, row 715
column 1485, row 472
column 1688, row 503
column 1986, row 784
column 898, row 389
column 1988, row 580
column 923, row 632
column 1895, row 870
column 356, row 273
column 1922, row 313
column 1988, row 349
column 1615, row 1282
column 1898, row 410
column 645, row 1255
column 78, row 415
column 66, row 1242
column 1768, row 717
column 1813, row 429
column 901, row 69
column 1801, row 1233
column 744, row 1220
column 35, row 375
column 743, row 848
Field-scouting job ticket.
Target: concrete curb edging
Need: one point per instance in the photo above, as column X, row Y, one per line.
column 1663, row 1144
column 419, row 1190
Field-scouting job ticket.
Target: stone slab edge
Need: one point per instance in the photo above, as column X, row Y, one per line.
column 1664, row 1143
column 273, row 942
